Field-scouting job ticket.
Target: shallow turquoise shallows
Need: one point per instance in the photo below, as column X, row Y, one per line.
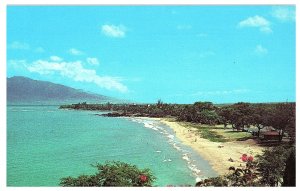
column 45, row 144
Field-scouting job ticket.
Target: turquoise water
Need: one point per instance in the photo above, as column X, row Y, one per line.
column 45, row 144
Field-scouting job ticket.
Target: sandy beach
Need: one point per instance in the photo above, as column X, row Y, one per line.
column 216, row 153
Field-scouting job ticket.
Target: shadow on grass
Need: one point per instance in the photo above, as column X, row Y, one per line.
column 234, row 131
column 244, row 138
column 269, row 143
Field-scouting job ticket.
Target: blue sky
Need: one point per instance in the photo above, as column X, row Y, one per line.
column 179, row 54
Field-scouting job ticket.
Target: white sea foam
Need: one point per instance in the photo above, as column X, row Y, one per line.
column 198, row 179
column 171, row 136
column 176, row 147
column 136, row 120
column 147, row 123
column 150, row 126
column 195, row 170
column 171, row 140
column 185, row 157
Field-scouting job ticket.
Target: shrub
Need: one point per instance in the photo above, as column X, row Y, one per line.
column 246, row 176
column 114, row 173
column 271, row 165
column 275, row 167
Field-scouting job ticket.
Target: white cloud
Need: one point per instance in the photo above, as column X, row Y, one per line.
column 259, row 49
column 19, row 45
column 17, row 64
column 114, row 31
column 76, row 72
column 284, row 13
column 257, row 21
column 93, row 61
column 184, row 27
column 55, row 58
column 75, row 52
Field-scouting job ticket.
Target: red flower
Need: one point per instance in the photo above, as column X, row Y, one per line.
column 250, row 158
column 244, row 158
column 143, row 178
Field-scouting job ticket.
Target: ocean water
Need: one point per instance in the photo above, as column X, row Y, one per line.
column 45, row 144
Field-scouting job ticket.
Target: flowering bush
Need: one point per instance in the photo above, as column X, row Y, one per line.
column 272, row 168
column 143, row 178
column 245, row 176
column 250, row 158
column 245, row 158
column 112, row 174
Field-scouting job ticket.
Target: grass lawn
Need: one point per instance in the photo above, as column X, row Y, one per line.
column 233, row 135
column 218, row 133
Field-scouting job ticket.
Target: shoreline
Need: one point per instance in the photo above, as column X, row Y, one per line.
column 216, row 153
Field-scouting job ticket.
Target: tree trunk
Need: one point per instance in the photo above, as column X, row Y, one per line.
column 258, row 132
column 280, row 135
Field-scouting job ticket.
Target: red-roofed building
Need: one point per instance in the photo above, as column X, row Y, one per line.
column 270, row 136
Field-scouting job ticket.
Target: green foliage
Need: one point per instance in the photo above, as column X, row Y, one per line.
column 200, row 106
column 244, row 176
column 209, row 117
column 219, row 181
column 275, row 167
column 234, row 135
column 284, row 118
column 240, row 115
column 271, row 165
column 207, row 133
column 225, row 115
column 267, row 170
column 238, row 177
column 112, row 174
column 81, row 181
column 289, row 178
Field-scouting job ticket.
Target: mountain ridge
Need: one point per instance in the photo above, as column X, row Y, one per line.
column 21, row 89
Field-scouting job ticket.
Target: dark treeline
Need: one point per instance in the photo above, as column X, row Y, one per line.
column 280, row 116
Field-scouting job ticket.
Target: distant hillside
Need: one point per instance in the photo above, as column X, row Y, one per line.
column 25, row 90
